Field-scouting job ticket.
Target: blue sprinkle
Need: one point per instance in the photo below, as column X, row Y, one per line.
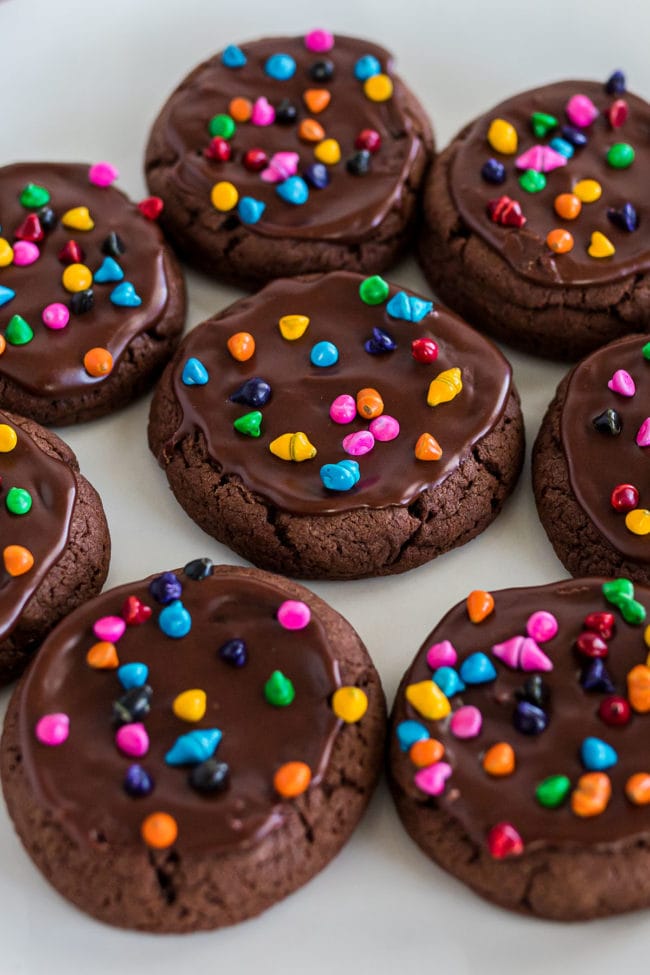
column 194, row 373
column 109, row 271
column 174, row 620
column 615, row 84
column 408, row 307
column 563, row 146
column 597, row 755
column 493, row 171
column 625, row 219
column 380, row 342
column 367, row 67
column 353, row 467
column 340, row 477
column 165, row 588
column 324, row 354
column 477, row 669
column 6, row 294
column 317, row 175
column 280, row 66
column 293, row 190
column 250, row 210
column 138, row 782
column 233, row 57
column 448, row 681
column 594, row 677
column 194, row 747
column 132, row 675
column 408, row 732
column 234, row 652
column 576, row 137
column 529, row 719
column 125, row 296
column 254, row 392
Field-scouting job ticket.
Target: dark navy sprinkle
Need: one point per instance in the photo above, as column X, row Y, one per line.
column 133, row 706
column 493, row 171
column 210, row 776
column 608, row 422
column 529, row 719
column 233, row 652
column 138, row 782
column 198, row 569
column 82, row 301
column 322, row 70
column 595, row 677
column 625, row 218
column 616, row 84
column 254, row 392
column 317, row 176
column 286, row 113
column 166, row 588
column 576, row 137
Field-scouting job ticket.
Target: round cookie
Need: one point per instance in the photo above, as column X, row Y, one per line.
column 313, row 447
column 290, row 155
column 92, row 301
column 522, row 766
column 222, row 765
column 590, row 463
column 570, row 160
column 55, row 543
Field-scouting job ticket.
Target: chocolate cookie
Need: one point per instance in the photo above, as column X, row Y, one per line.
column 338, row 427
column 537, row 226
column 209, row 755
column 290, row 155
column 518, row 748
column 92, row 302
column 590, row 463
column 55, row 541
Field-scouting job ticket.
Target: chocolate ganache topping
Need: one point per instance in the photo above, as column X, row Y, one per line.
column 353, row 194
column 583, row 137
column 37, row 494
column 599, row 459
column 50, row 363
column 562, row 689
column 302, row 393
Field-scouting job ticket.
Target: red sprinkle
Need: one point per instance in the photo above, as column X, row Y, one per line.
column 504, row 841
column 592, row 645
column 218, row 148
column 601, row 623
column 134, row 611
column 368, row 139
column 424, row 350
column 71, row 253
column 624, row 497
column 506, row 212
column 614, row 710
column 151, row 207
column 618, row 113
column 255, row 160
column 30, row 229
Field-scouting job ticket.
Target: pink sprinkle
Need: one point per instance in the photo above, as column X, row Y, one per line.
column 109, row 628
column 359, row 443
column 581, row 111
column 622, row 383
column 55, row 315
column 384, row 428
column 431, row 779
column 294, row 614
column 102, row 174
column 53, row 729
column 441, row 655
column 319, row 41
column 466, row 722
column 531, row 657
column 542, row 626
column 263, row 113
column 343, row 409
column 25, row 253
column 132, row 739
column 281, row 166
column 531, row 159
column 508, row 652
column 643, row 436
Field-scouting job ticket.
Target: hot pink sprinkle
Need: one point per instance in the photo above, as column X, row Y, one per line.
column 531, row 657
column 109, row 628
column 581, row 111
column 359, row 443
column 343, row 409
column 384, row 428
column 466, row 722
column 263, row 113
column 319, row 41
column 102, row 174
column 542, row 626
column 622, row 383
column 25, row 253
column 643, row 436
column 431, row 779
column 294, row 614
column 508, row 652
column 53, row 729
column 55, row 315
column 280, row 167
column 132, row 739
column 441, row 655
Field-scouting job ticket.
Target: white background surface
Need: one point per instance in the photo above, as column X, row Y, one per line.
column 83, row 82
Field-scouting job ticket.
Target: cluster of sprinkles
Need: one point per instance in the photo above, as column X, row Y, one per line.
column 74, row 294
column 432, row 700
column 365, row 404
column 17, row 559
column 293, row 177
column 566, row 139
column 194, row 750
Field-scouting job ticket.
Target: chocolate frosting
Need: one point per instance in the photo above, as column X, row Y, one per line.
column 351, row 206
column 302, row 394
column 598, row 462
column 525, row 250
column 51, row 364
column 43, row 530
column 81, row 780
column 479, row 801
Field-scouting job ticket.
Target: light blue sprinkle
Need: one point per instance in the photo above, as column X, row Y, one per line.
column 109, row 271
column 324, row 354
column 477, row 669
column 125, row 296
column 194, row 373
column 339, row 477
column 174, row 620
column 353, row 467
column 233, row 57
column 448, row 681
column 562, row 146
column 194, row 747
column 280, row 66
column 408, row 732
column 597, row 755
column 408, row 307
column 293, row 190
column 250, row 210
column 6, row 294
column 132, row 675
column 367, row 67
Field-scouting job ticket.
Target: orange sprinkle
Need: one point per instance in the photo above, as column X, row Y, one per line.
column 159, row 830
column 3, row 344
column 637, row 789
column 292, row 779
column 98, row 362
column 369, row 403
column 592, row 794
column 316, row 99
column 427, row 448
column 18, row 560
column 567, row 206
column 479, row 605
column 560, row 241
column 102, row 656
column 310, row 130
column 240, row 109
column 638, row 688
column 499, row 759
column 241, row 346
column 426, row 752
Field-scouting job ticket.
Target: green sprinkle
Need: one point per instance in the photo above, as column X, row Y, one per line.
column 18, row 501
column 632, row 611
column 542, row 123
column 249, row 424
column 222, row 125
column 18, row 331
column 532, row 182
column 34, row 196
column 278, row 690
column 374, row 290
column 620, row 155
column 552, row 792
column 645, row 351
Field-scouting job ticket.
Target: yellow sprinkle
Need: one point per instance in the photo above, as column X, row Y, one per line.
column 8, row 438
column 428, row 700
column 502, row 136
column 6, row 253
column 224, row 196
column 328, row 151
column 78, row 219
column 190, row 705
column 600, row 245
column 293, row 327
column 379, row 88
column 646, row 638
column 292, row 446
column 445, row 387
column 588, row 190
column 349, row 704
column 77, row 277
column 638, row 521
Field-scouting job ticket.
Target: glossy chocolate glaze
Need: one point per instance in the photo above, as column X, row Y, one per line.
column 51, row 364
column 302, row 394
column 526, row 250
column 43, row 530
column 351, row 206
column 479, row 801
column 596, row 461
column 257, row 737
